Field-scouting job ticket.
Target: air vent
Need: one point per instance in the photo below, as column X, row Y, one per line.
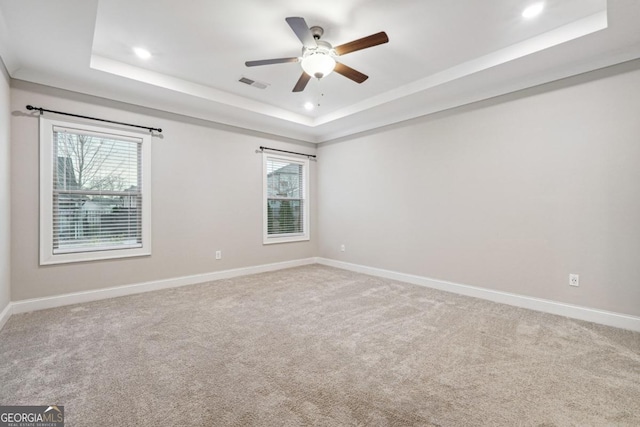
column 254, row 83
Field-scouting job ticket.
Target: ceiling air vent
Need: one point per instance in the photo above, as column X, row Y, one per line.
column 254, row 83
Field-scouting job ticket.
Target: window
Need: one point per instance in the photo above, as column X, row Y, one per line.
column 286, row 199
column 94, row 193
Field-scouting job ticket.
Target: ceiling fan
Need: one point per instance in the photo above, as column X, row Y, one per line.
column 319, row 57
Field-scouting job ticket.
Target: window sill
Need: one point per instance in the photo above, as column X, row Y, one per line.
column 285, row 239
column 50, row 259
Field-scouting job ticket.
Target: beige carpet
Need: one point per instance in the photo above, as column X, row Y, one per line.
column 318, row 346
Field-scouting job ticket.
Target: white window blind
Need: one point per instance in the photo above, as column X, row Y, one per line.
column 96, row 193
column 286, row 199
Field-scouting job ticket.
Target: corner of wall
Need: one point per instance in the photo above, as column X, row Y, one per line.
column 5, row 195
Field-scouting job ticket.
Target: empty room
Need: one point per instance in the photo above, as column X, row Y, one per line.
column 327, row 213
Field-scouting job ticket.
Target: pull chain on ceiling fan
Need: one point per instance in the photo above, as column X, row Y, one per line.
column 319, row 57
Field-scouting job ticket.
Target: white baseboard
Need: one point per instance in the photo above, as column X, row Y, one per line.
column 608, row 318
column 34, row 304
column 5, row 315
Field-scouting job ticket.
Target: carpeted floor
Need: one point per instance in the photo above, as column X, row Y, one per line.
column 318, row 346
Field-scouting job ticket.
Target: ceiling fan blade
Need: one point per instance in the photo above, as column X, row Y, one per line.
column 270, row 61
column 350, row 73
column 302, row 82
column 363, row 43
column 300, row 27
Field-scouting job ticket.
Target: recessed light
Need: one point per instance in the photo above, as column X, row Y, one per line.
column 142, row 53
column 533, row 10
column 308, row 106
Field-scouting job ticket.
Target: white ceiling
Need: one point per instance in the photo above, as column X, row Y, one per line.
column 441, row 54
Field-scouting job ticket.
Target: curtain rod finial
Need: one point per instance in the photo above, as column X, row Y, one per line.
column 31, row 107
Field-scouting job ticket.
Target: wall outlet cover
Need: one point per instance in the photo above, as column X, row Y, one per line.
column 574, row 280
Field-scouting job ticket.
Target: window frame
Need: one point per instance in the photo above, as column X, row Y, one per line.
column 47, row 257
column 268, row 239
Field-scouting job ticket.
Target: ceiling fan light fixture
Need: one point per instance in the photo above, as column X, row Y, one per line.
column 318, row 64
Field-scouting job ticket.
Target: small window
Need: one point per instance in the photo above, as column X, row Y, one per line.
column 94, row 193
column 286, row 199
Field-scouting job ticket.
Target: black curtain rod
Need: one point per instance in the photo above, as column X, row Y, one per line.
column 290, row 152
column 42, row 110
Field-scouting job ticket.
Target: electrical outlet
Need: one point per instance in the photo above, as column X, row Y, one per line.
column 574, row 280
column 342, row 248
column 218, row 254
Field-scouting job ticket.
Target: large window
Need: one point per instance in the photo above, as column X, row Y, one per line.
column 94, row 193
column 286, row 199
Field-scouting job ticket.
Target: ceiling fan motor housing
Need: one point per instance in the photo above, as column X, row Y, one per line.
column 316, row 32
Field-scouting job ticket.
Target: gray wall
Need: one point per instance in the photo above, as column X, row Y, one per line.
column 5, row 180
column 511, row 194
column 206, row 190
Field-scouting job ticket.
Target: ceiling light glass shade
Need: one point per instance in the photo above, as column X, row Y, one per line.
column 318, row 64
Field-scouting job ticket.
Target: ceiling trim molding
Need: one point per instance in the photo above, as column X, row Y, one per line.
column 208, row 93
column 572, row 31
